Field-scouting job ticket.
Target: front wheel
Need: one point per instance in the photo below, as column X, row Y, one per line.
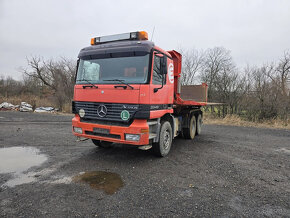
column 162, row 147
column 102, row 144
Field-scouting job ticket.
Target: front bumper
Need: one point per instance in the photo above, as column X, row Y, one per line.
column 116, row 133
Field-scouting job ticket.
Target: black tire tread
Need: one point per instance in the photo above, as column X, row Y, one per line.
column 186, row 131
column 156, row 146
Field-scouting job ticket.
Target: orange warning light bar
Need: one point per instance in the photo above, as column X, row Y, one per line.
column 139, row 35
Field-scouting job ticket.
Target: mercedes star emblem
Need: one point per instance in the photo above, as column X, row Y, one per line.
column 102, row 110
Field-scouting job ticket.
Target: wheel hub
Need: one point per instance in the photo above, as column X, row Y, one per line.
column 166, row 140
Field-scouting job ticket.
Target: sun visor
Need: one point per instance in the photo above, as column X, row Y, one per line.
column 117, row 49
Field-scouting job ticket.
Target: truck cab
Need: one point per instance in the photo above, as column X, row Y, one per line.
column 125, row 91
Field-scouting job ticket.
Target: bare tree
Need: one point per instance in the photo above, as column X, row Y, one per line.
column 217, row 62
column 58, row 76
column 10, row 87
column 262, row 98
column 281, row 74
column 219, row 72
column 192, row 61
column 279, row 77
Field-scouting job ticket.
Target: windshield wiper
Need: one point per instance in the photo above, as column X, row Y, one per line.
column 89, row 83
column 121, row 81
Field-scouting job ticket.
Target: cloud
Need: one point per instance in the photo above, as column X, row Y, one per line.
column 255, row 31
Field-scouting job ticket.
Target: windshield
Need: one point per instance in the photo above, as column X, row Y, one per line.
column 132, row 70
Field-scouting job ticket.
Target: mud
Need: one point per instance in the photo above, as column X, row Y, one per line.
column 109, row 182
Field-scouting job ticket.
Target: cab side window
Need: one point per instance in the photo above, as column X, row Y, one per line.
column 157, row 76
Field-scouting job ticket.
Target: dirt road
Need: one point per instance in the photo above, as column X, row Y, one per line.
column 226, row 171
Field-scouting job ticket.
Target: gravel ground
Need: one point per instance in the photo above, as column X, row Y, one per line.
column 226, row 171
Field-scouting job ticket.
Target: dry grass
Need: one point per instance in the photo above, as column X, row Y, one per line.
column 67, row 108
column 234, row 120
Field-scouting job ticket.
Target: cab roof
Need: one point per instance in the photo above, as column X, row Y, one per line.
column 125, row 46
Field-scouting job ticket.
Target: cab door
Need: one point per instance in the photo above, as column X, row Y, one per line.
column 161, row 88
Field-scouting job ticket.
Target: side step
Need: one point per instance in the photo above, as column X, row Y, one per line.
column 145, row 147
column 151, row 123
column 152, row 135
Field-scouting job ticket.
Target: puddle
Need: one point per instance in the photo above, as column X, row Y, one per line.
column 17, row 160
column 109, row 182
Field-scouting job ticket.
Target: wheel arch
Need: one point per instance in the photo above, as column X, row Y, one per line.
column 166, row 117
column 198, row 112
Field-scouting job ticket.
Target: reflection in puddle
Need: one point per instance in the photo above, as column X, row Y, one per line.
column 107, row 181
column 17, row 160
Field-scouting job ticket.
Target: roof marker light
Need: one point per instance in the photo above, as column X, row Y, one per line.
column 92, row 41
column 143, row 35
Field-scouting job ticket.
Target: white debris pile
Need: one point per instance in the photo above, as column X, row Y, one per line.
column 8, row 106
column 25, row 107
column 44, row 109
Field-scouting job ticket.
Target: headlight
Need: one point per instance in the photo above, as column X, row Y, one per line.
column 78, row 130
column 132, row 137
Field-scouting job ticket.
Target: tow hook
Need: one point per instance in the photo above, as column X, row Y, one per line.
column 80, row 139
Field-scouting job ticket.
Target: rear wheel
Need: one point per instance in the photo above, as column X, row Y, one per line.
column 102, row 144
column 162, row 147
column 189, row 132
column 198, row 124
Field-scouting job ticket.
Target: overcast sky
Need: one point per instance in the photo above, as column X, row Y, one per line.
column 256, row 31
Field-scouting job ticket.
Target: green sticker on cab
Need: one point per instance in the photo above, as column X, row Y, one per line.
column 125, row 115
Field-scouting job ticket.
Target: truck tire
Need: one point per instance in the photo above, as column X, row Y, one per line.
column 198, row 124
column 102, row 144
column 189, row 133
column 162, row 147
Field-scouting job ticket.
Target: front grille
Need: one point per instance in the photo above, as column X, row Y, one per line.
column 113, row 110
column 103, row 135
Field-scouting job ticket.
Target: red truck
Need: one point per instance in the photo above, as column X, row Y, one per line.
column 128, row 91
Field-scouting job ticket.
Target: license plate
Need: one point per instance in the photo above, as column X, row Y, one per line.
column 102, row 131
